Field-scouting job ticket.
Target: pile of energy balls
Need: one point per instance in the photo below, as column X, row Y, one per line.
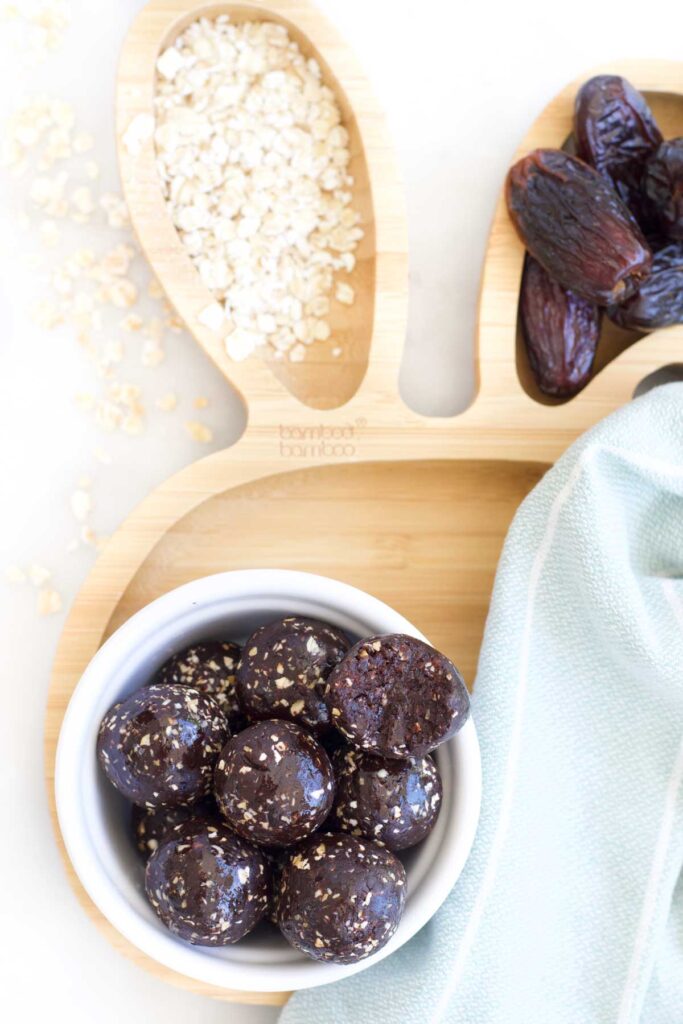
column 279, row 781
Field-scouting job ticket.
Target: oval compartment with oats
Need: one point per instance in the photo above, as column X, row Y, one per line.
column 254, row 163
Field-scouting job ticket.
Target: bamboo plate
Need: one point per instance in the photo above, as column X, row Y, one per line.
column 333, row 473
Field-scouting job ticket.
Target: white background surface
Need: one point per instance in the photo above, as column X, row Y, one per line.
column 460, row 84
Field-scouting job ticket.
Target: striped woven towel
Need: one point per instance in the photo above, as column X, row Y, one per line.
column 570, row 909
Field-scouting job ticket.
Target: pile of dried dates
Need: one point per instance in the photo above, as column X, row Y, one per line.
column 602, row 221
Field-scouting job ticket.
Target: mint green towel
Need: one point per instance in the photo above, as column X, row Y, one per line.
column 570, row 908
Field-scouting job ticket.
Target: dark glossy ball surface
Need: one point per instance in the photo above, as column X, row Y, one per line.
column 207, row 885
column 340, row 898
column 283, row 669
column 159, row 746
column 209, row 667
column 274, row 783
column 394, row 803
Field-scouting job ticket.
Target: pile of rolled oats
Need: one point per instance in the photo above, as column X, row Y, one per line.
column 254, row 164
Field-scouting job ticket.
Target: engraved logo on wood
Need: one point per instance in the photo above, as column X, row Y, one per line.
column 321, row 441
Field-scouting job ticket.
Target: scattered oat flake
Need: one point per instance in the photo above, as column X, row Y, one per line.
column 173, row 322
column 81, row 504
column 133, row 424
column 199, row 431
column 48, row 314
column 154, row 289
column 132, row 322
column 47, row 21
column 122, row 293
column 38, row 574
column 14, row 574
column 200, row 402
column 49, row 601
column 115, row 210
column 167, row 402
column 88, row 536
column 152, row 353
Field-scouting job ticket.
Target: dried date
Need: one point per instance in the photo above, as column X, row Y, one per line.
column 659, row 302
column 663, row 186
column 616, row 133
column 561, row 332
column 573, row 222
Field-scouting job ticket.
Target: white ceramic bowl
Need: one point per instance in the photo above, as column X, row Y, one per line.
column 94, row 819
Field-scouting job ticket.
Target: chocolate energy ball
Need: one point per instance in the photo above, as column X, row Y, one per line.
column 341, row 898
column 152, row 825
column 159, row 746
column 273, row 783
column 283, row 669
column 206, row 884
column 396, row 803
column 396, row 696
column 210, row 668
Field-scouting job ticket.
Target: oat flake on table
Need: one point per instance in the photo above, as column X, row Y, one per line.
column 254, row 165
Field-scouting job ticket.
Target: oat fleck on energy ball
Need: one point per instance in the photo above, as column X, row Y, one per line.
column 152, row 825
column 341, row 898
column 396, row 696
column 283, row 670
column 207, row 885
column 159, row 746
column 274, row 783
column 210, row 668
column 395, row 803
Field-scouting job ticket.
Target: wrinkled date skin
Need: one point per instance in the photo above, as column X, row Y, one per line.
column 616, row 133
column 663, row 186
column 572, row 221
column 659, row 303
column 561, row 331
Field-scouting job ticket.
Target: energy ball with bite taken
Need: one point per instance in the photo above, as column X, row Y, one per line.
column 395, row 803
column 396, row 696
column 274, row 783
column 159, row 746
column 209, row 667
column 207, row 885
column 283, row 669
column 340, row 898
column 152, row 825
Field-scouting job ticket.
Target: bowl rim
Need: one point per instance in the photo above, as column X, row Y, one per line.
column 333, row 598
